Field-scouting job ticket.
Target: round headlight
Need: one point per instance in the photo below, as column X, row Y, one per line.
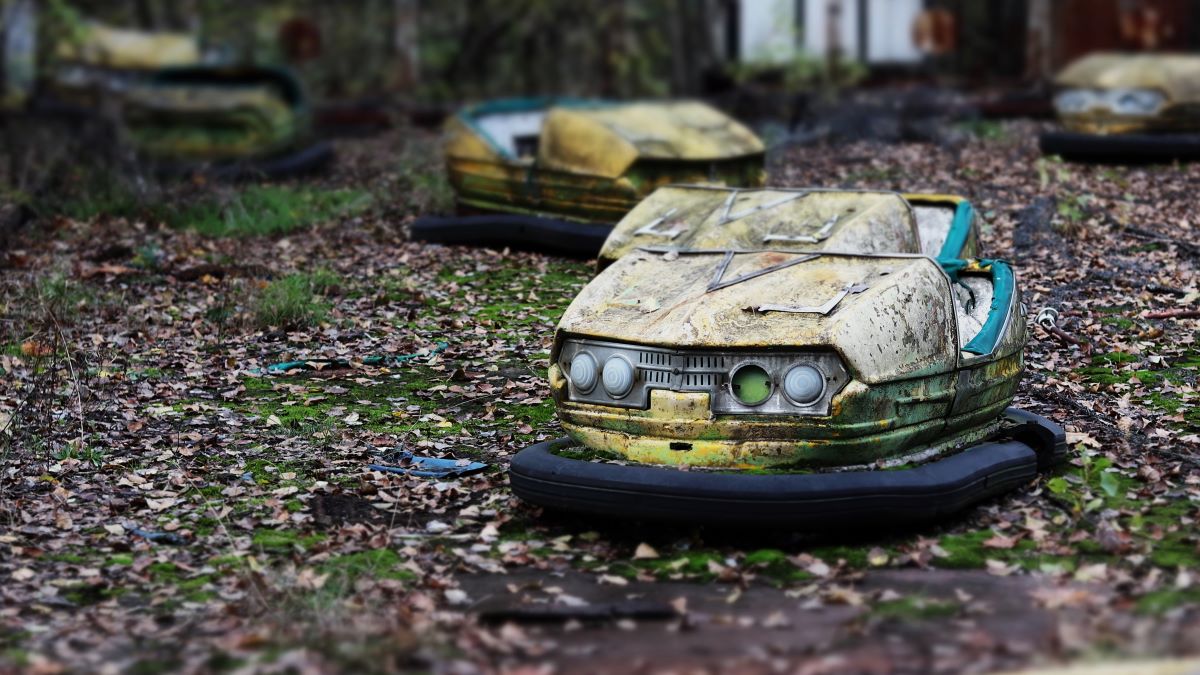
column 1075, row 100
column 583, row 372
column 804, row 384
column 1136, row 101
column 617, row 376
column 751, row 384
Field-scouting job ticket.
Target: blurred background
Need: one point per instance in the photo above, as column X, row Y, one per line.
column 793, row 69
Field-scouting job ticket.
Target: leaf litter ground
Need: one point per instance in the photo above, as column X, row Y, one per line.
column 167, row 506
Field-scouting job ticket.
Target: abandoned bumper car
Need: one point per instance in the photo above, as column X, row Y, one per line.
column 175, row 112
column 558, row 173
column 1127, row 108
column 782, row 369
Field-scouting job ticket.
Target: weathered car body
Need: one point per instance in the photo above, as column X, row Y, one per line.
column 167, row 105
column 212, row 114
column 697, row 217
column 1127, row 109
column 591, row 161
column 773, row 330
column 905, row 362
column 1113, row 93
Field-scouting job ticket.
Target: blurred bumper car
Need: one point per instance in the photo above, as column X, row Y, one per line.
column 793, row 383
column 558, row 173
column 230, row 123
column 172, row 110
column 1128, row 108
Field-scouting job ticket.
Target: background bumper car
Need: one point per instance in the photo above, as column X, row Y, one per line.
column 557, row 173
column 1128, row 109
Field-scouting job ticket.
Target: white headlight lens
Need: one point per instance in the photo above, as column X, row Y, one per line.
column 1075, row 100
column 617, row 377
column 804, row 384
column 1134, row 101
column 584, row 372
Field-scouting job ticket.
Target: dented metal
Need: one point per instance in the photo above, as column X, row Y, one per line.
column 689, row 280
column 699, row 217
column 590, row 160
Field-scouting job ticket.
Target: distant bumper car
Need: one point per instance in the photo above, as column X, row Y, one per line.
column 230, row 123
column 1128, row 108
column 795, row 383
column 557, row 174
column 174, row 111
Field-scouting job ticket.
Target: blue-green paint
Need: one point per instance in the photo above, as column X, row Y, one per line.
column 1003, row 286
column 960, row 229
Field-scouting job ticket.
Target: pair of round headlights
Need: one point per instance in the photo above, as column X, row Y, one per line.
column 750, row 383
column 616, row 377
column 802, row 384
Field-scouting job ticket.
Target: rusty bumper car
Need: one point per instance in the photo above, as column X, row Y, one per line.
column 173, row 112
column 793, row 385
column 228, row 123
column 557, row 174
column 1127, row 108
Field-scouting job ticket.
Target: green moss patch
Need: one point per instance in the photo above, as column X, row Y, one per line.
column 285, row 540
column 914, row 607
column 259, row 210
column 381, row 563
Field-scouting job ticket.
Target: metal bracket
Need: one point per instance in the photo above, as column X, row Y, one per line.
column 649, row 228
column 730, row 217
column 717, row 283
column 820, row 236
column 818, row 309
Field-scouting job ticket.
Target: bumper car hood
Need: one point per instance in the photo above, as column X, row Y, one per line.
column 888, row 316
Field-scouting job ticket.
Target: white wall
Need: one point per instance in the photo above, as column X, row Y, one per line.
column 767, row 30
column 816, row 29
column 889, row 31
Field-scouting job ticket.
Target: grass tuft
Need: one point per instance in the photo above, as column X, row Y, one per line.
column 262, row 210
column 296, row 300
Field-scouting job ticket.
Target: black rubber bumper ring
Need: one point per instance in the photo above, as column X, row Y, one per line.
column 800, row 501
column 1121, row 148
column 530, row 233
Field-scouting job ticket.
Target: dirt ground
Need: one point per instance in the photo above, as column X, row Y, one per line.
column 168, row 504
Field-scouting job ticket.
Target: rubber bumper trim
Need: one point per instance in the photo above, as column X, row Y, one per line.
column 1121, row 148
column 514, row 231
column 802, row 501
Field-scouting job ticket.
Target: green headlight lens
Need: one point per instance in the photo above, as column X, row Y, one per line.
column 751, row 385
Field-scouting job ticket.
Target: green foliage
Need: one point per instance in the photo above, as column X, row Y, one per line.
column 1072, row 209
column 61, row 296
column 285, row 540
column 253, row 211
column 915, row 607
column 987, row 130
column 87, row 455
column 296, row 300
column 803, row 72
column 381, row 563
column 267, row 209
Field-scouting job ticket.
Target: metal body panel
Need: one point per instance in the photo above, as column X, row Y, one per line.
column 805, row 219
column 658, row 300
column 911, row 392
column 594, row 161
